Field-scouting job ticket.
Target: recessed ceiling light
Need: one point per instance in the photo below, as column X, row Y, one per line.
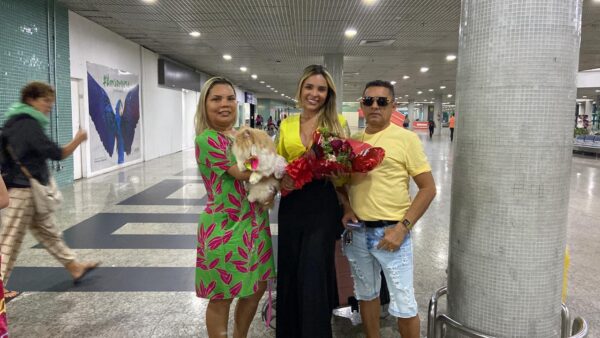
column 369, row 2
column 406, row 95
column 598, row 90
column 450, row 57
column 419, row 92
column 254, row 76
column 449, row 95
column 268, row 86
column 424, row 69
column 442, row 87
column 405, row 77
column 149, row 1
column 585, row 97
column 243, row 69
column 262, row 81
column 226, row 56
column 195, row 34
column 277, row 91
column 393, row 83
column 430, row 90
column 350, row 32
column 282, row 94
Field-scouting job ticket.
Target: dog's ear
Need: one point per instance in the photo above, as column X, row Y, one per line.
column 247, row 133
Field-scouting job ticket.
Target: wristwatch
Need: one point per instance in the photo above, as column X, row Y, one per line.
column 407, row 224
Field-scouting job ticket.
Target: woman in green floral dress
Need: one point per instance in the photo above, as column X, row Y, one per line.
column 234, row 254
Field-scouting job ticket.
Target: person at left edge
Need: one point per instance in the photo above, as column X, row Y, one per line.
column 24, row 133
column 3, row 323
column 234, row 253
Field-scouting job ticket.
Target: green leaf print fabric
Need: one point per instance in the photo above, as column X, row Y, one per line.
column 234, row 249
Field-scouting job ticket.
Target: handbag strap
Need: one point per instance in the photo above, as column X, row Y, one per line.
column 14, row 157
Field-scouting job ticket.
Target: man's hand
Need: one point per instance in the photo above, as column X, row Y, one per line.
column 349, row 216
column 393, row 238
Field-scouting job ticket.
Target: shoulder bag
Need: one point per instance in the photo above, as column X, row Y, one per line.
column 46, row 198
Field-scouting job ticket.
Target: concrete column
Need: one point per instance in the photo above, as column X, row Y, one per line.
column 510, row 187
column 427, row 112
column 437, row 114
column 411, row 109
column 589, row 108
column 335, row 66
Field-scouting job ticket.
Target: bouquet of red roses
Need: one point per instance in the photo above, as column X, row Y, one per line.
column 331, row 155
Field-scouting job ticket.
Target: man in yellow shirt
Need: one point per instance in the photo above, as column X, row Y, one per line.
column 380, row 206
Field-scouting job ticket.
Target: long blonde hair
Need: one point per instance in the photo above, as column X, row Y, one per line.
column 328, row 115
column 200, row 120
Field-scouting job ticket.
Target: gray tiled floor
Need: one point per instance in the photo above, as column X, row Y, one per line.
column 80, row 313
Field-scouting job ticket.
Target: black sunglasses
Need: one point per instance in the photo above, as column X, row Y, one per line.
column 382, row 101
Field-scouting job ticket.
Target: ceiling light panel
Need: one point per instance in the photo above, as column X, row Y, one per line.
column 297, row 33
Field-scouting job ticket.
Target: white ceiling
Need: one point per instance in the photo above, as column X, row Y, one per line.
column 276, row 39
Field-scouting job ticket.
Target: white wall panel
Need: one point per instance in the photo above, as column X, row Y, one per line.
column 190, row 102
column 163, row 112
column 161, row 108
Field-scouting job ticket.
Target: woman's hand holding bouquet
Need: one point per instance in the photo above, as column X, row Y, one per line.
column 331, row 155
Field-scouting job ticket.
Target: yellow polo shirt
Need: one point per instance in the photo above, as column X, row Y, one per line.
column 382, row 193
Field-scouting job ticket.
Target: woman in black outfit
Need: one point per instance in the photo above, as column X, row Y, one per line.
column 309, row 218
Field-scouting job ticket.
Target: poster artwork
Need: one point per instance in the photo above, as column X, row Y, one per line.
column 114, row 107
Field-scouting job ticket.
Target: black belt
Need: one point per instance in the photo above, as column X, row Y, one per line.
column 379, row 224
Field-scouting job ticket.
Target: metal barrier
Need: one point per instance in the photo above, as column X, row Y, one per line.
column 437, row 324
column 580, row 328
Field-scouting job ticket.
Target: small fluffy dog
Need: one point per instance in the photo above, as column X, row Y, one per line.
column 254, row 150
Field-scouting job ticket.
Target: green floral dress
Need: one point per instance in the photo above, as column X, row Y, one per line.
column 234, row 240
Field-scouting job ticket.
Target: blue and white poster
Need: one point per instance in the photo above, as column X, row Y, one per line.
column 114, row 108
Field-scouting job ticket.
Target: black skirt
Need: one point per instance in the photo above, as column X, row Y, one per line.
column 309, row 223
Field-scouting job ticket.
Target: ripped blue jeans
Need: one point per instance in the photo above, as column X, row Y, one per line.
column 367, row 262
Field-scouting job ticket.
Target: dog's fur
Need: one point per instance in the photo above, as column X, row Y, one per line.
column 264, row 180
